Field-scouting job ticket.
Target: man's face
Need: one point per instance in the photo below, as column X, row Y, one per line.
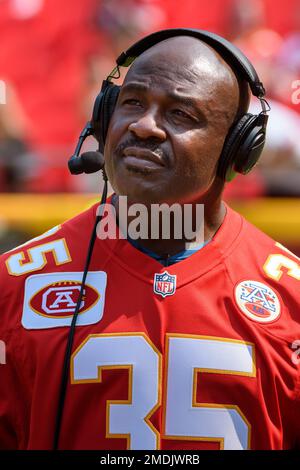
column 168, row 128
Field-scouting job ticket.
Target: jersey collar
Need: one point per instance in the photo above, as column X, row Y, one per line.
column 144, row 267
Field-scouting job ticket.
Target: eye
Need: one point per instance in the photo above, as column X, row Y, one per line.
column 182, row 114
column 132, row 102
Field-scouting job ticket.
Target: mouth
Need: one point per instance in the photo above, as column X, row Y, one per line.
column 143, row 160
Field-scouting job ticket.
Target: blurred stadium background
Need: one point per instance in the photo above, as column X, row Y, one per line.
column 53, row 57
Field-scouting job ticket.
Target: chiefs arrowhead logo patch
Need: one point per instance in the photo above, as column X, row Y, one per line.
column 59, row 299
column 50, row 299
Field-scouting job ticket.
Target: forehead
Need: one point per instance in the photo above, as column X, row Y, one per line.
column 183, row 64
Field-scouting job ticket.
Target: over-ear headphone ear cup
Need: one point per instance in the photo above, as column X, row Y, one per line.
column 233, row 147
column 252, row 144
column 108, row 103
column 103, row 109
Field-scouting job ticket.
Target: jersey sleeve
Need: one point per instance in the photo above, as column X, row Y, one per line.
column 295, row 409
column 51, row 252
column 10, row 402
column 15, row 369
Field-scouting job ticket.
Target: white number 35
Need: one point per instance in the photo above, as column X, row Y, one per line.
column 184, row 418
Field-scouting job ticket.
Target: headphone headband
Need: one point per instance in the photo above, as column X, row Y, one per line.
column 227, row 50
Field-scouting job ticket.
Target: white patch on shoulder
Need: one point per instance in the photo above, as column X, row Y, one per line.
column 257, row 301
column 50, row 299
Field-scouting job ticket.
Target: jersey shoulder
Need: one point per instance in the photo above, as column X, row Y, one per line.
column 73, row 231
column 259, row 245
column 262, row 264
column 258, row 254
column 62, row 248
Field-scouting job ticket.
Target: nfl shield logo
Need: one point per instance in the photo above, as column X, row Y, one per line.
column 164, row 284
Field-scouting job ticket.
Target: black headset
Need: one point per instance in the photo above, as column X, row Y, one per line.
column 242, row 148
column 246, row 137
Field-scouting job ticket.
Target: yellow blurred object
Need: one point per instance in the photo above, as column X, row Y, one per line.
column 35, row 213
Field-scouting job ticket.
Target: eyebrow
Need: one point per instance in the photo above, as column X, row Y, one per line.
column 187, row 100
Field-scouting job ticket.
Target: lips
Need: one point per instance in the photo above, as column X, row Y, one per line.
column 141, row 158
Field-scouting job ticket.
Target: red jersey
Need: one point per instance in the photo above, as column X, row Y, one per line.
column 202, row 354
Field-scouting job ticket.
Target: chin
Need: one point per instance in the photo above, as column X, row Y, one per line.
column 142, row 197
column 139, row 190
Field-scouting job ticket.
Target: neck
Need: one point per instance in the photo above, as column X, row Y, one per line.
column 203, row 223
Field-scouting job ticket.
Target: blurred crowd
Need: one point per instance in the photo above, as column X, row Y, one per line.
column 54, row 55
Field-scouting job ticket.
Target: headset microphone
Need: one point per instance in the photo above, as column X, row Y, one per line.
column 88, row 162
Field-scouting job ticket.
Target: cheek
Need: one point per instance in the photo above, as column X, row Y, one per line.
column 113, row 137
column 198, row 157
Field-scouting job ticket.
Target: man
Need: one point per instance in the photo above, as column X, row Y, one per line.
column 173, row 349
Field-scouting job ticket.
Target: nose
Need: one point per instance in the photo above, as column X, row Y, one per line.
column 146, row 126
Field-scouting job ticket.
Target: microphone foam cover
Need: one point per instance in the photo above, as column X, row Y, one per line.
column 92, row 162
